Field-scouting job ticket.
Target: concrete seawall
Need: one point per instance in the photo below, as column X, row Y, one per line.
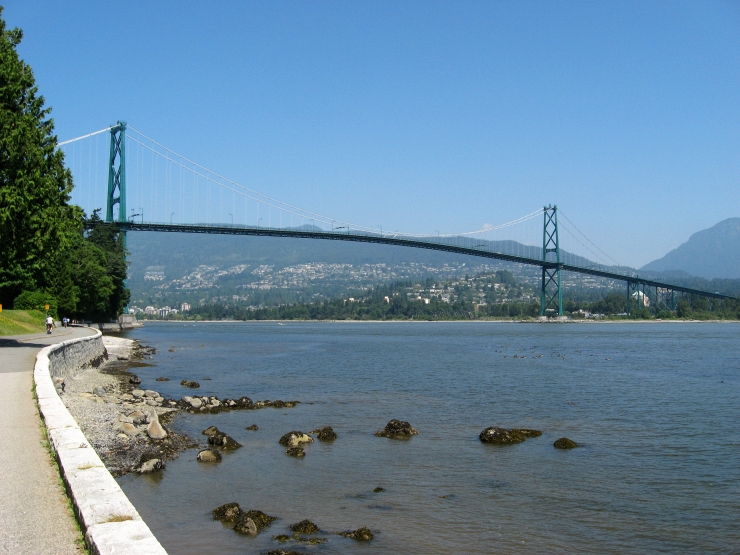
column 111, row 523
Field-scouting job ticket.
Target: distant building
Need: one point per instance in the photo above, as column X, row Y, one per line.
column 154, row 273
column 641, row 298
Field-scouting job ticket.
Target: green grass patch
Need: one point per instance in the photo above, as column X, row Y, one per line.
column 20, row 322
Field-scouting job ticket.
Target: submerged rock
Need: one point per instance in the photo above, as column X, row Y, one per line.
column 361, row 534
column 297, row 452
column 397, row 429
column 564, row 443
column 505, row 436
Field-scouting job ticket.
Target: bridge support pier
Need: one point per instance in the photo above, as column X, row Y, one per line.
column 117, row 173
column 551, row 294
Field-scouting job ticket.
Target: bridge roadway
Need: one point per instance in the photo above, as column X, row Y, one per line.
column 348, row 235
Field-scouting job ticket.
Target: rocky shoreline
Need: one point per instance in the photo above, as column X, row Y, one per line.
column 126, row 425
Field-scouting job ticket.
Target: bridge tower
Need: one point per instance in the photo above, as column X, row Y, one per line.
column 117, row 173
column 551, row 295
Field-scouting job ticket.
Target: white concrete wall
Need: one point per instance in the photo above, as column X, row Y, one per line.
column 111, row 523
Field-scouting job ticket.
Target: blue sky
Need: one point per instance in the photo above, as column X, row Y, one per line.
column 422, row 116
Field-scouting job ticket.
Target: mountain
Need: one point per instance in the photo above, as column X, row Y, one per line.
column 710, row 253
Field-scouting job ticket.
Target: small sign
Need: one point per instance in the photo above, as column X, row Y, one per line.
column 46, row 307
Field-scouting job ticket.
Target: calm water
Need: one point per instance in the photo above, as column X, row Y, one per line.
column 655, row 406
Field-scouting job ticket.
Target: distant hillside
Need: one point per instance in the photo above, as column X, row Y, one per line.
column 710, row 253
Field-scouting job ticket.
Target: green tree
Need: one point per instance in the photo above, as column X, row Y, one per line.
column 36, row 220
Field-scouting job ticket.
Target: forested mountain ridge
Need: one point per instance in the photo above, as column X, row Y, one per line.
column 709, row 253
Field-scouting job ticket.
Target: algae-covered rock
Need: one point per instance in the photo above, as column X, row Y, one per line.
column 211, row 431
column 326, row 433
column 294, row 439
column 505, row 436
column 245, row 526
column 564, row 443
column 361, row 534
column 304, row 527
column 228, row 512
column 397, row 429
column 296, row 452
column 262, row 520
column 223, row 441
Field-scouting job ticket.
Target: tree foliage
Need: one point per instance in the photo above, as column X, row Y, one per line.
column 35, row 215
column 43, row 245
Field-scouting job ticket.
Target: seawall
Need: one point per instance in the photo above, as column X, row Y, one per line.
column 111, row 523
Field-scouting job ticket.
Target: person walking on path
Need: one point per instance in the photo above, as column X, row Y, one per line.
column 35, row 512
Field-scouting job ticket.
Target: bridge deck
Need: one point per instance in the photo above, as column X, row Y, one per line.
column 348, row 235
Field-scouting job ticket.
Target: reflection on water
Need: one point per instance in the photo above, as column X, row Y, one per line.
column 653, row 406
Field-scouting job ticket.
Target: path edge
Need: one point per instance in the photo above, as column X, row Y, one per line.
column 111, row 523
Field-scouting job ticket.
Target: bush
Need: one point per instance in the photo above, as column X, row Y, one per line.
column 35, row 300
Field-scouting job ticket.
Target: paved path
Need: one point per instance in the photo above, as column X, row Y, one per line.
column 35, row 514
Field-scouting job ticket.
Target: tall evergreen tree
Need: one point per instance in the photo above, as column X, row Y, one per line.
column 36, row 221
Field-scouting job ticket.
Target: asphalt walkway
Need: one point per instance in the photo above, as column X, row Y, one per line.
column 35, row 514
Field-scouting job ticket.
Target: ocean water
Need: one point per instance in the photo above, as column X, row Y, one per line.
column 655, row 408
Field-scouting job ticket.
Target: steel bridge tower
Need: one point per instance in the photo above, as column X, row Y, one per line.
column 117, row 173
column 551, row 295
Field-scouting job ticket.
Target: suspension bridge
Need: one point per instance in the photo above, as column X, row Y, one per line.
column 165, row 179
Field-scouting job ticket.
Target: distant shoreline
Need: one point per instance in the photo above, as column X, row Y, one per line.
column 657, row 321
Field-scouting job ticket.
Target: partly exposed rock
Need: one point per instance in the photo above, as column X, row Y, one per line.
column 564, row 443
column 190, row 383
column 211, row 431
column 361, row 534
column 294, row 439
column 152, row 465
column 228, row 512
column 326, row 433
column 223, row 441
column 505, row 436
column 252, row 428
column 209, row 456
column 262, row 520
column 304, row 527
column 397, row 429
column 245, row 525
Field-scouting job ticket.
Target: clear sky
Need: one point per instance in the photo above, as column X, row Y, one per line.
column 422, row 115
